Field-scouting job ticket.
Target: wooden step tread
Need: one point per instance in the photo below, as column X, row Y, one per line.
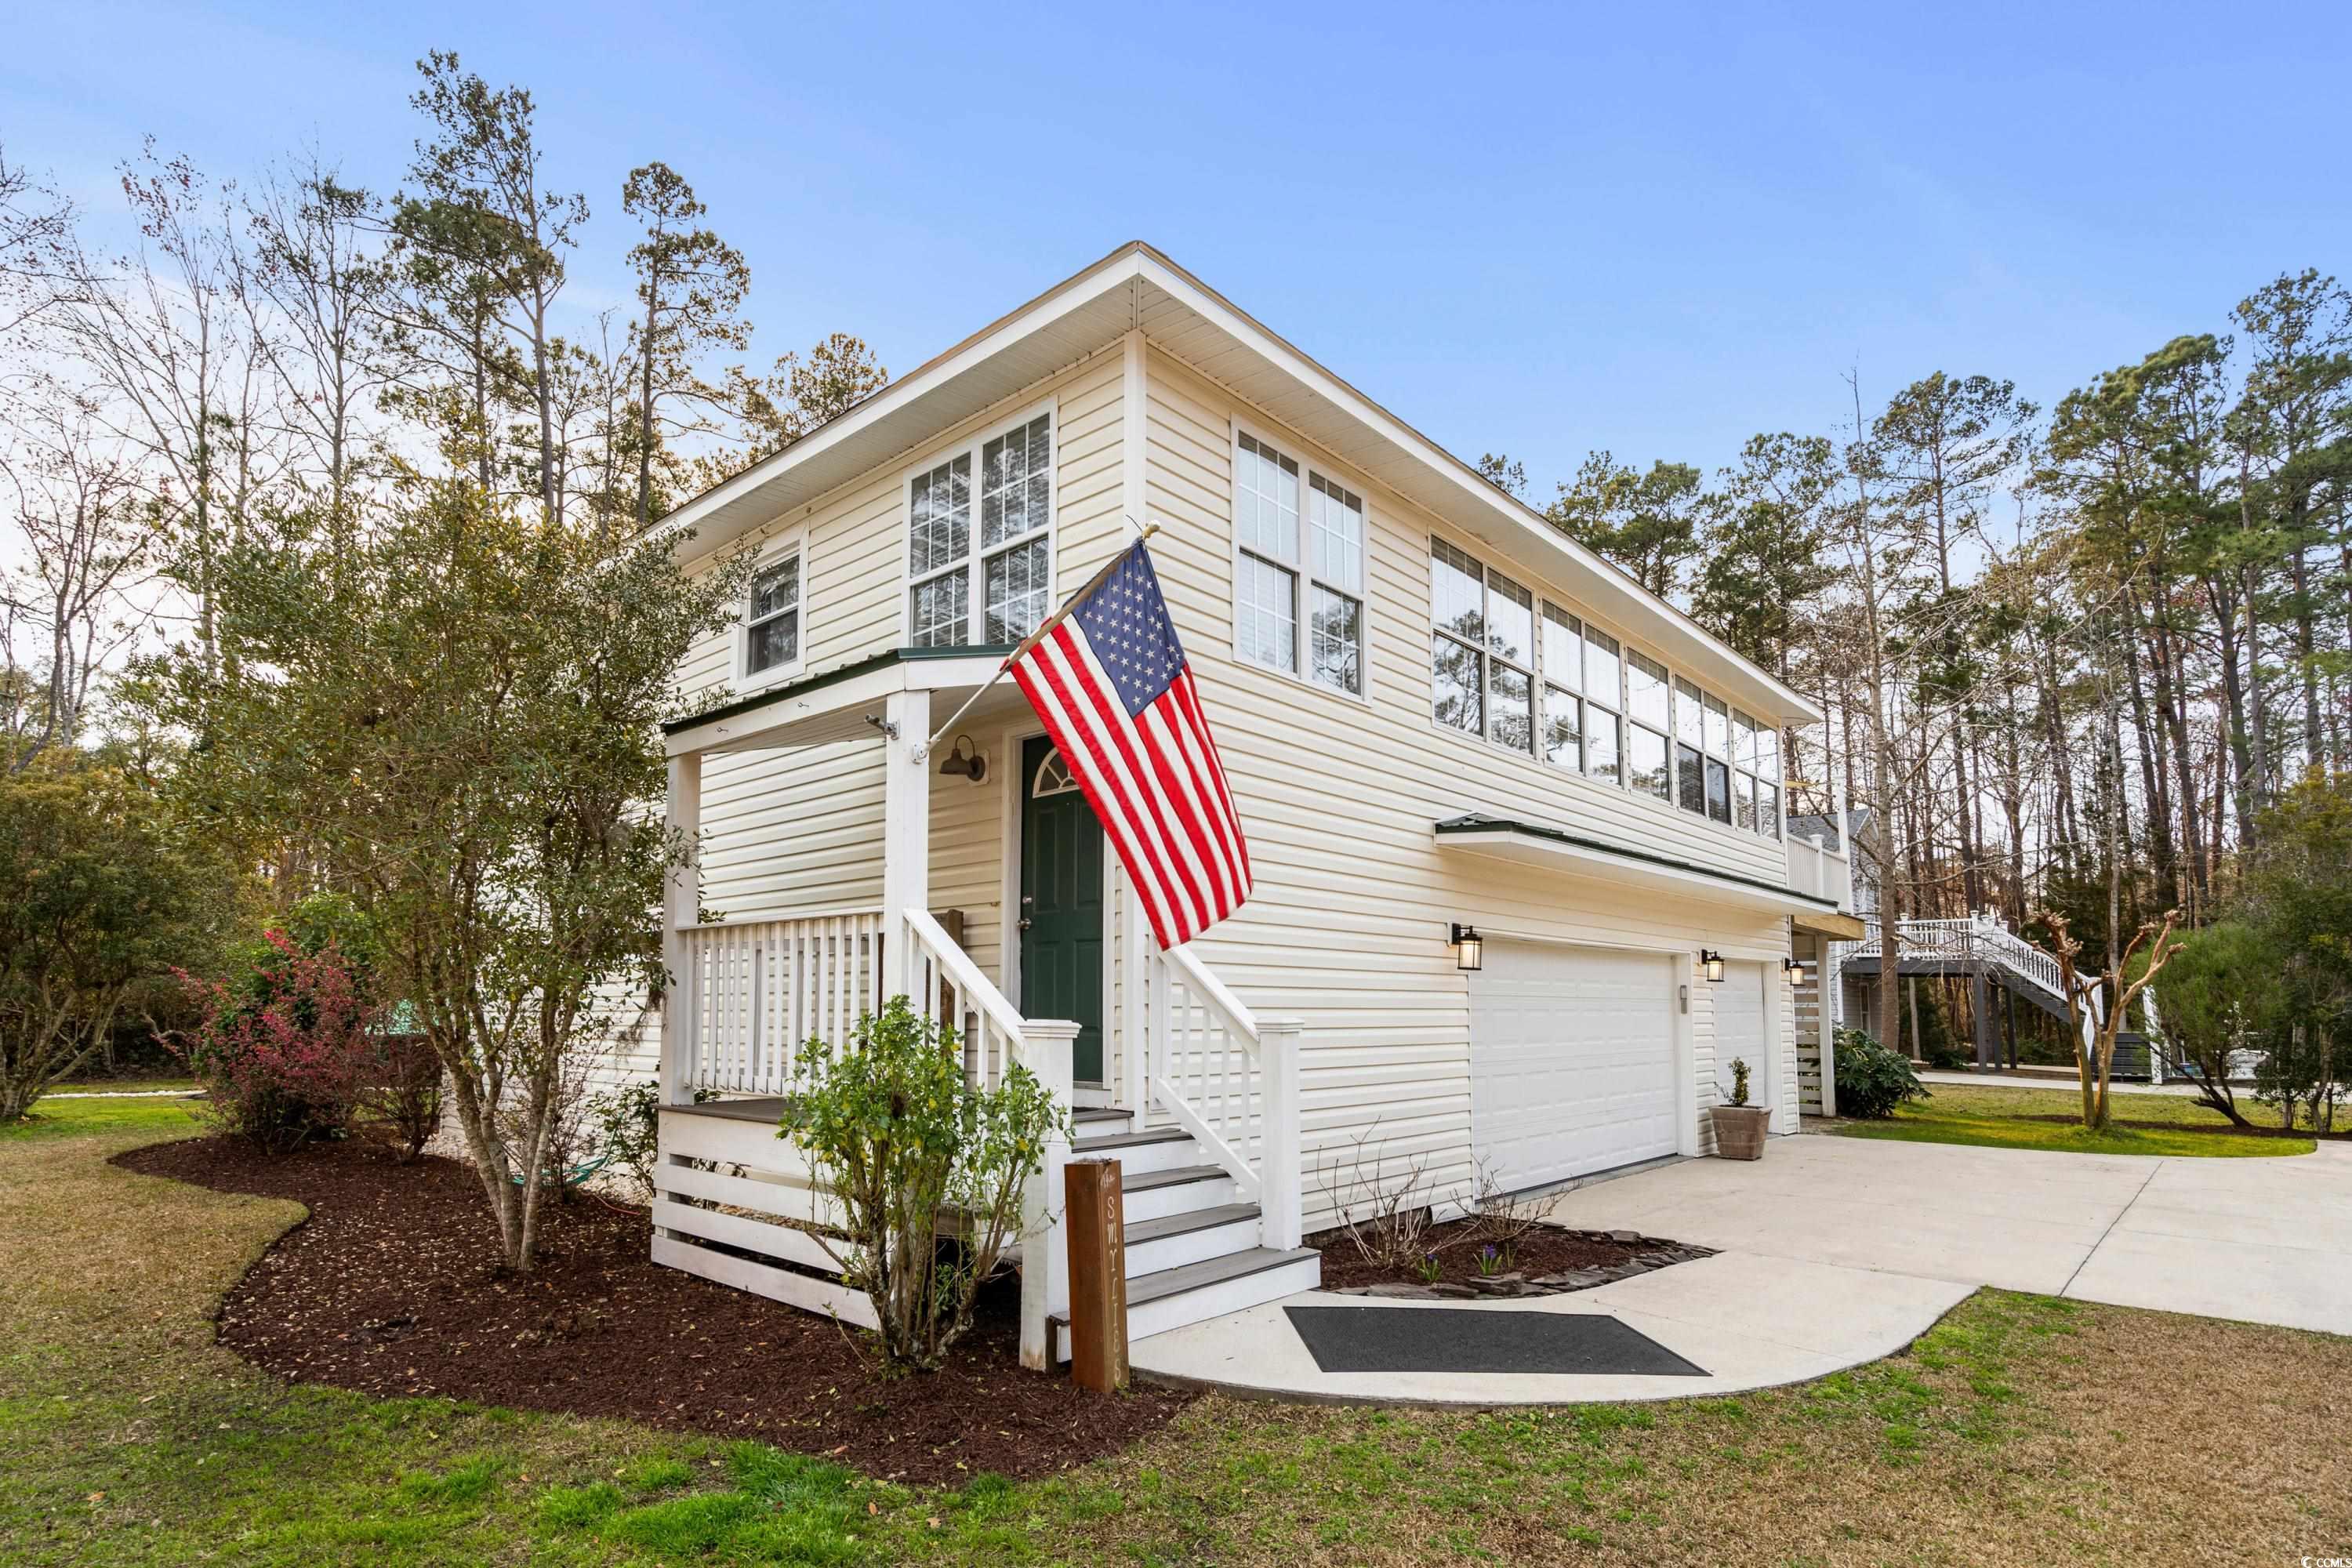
column 1181, row 1175
column 1141, row 1230
column 1087, row 1113
column 1175, row 1281
column 1112, row 1141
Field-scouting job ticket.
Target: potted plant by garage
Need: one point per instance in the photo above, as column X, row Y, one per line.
column 1740, row 1126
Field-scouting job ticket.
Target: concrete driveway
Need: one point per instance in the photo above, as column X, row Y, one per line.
column 2264, row 1240
column 1836, row 1251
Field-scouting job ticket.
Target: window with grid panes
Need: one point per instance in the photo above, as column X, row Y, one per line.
column 984, row 578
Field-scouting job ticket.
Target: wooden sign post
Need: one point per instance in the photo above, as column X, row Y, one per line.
column 1096, row 1219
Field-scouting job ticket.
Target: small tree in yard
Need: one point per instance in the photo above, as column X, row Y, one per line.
column 98, row 898
column 897, row 1132
column 2095, row 1065
column 2220, row 996
column 456, row 706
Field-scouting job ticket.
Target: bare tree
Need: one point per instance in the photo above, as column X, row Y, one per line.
column 73, row 605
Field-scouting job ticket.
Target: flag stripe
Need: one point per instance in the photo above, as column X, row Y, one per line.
column 1095, row 744
column 1177, row 805
column 1151, row 877
column 1112, row 683
column 1116, row 733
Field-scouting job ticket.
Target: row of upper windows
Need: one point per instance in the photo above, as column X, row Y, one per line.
column 1519, row 672
column 1532, row 677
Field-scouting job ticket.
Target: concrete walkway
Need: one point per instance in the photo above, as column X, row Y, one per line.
column 1837, row 1251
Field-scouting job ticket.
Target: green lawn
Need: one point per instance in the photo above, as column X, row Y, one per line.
column 2000, row 1116
column 2021, row 1430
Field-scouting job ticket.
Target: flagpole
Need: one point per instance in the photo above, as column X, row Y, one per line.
column 1050, row 622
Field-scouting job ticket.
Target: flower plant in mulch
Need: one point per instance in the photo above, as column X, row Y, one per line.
column 1459, row 1259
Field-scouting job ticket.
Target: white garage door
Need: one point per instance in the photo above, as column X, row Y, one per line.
column 1739, row 1031
column 1571, row 1061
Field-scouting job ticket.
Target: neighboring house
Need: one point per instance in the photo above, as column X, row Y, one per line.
column 1436, row 710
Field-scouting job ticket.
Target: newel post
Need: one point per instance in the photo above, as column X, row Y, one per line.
column 906, row 834
column 1045, row 1258
column 681, row 912
column 1281, row 1195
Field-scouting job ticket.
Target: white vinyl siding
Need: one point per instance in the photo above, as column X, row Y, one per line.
column 1345, row 928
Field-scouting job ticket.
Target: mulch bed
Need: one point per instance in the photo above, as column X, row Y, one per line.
column 1547, row 1250
column 392, row 1286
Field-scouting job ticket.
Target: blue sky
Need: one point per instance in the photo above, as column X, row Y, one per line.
column 1537, row 229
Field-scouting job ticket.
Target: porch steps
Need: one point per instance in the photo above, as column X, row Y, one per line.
column 1194, row 1251
column 1174, row 1297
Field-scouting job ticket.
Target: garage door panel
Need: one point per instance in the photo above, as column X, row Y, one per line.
column 1571, row 1061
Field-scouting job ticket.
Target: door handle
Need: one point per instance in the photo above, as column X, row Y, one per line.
column 1022, row 924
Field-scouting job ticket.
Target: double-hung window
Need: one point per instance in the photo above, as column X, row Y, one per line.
column 988, row 579
column 1482, row 650
column 772, row 618
column 1690, row 737
column 1563, row 676
column 1647, row 768
column 1767, row 755
column 1290, row 558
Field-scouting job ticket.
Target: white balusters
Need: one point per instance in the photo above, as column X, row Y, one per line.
column 752, row 992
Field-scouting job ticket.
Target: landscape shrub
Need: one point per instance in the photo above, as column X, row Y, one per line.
column 893, row 1128
column 285, row 1054
column 1870, row 1079
column 401, row 1092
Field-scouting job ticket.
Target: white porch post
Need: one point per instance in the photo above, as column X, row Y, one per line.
column 1281, row 1199
column 681, row 911
column 906, row 832
column 1045, row 1250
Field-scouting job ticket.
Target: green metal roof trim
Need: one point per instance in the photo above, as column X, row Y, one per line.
column 1475, row 824
column 808, row 683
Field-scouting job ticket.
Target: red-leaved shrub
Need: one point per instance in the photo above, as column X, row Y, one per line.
column 285, row 1053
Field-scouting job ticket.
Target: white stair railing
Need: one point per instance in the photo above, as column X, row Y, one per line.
column 749, row 992
column 996, row 1036
column 1230, row 1080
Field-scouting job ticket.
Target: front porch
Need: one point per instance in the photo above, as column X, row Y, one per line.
column 1193, row 1093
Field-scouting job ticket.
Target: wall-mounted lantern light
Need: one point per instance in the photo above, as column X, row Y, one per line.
column 964, row 760
column 1711, row 961
column 1793, row 969
column 1469, row 947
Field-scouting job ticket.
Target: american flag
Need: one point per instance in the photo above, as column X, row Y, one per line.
column 1110, row 682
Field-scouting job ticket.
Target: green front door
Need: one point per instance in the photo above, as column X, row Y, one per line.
column 1061, row 919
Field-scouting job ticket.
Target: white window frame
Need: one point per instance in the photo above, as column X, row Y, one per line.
column 976, row 556
column 773, row 553
column 1303, row 579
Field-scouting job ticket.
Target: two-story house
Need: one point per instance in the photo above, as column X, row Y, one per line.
column 1522, row 886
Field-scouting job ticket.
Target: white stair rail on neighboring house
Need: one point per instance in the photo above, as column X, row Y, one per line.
column 751, row 992
column 1230, row 1080
column 995, row 1038
column 1982, row 938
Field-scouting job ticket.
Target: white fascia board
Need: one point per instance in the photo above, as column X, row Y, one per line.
column 1502, row 844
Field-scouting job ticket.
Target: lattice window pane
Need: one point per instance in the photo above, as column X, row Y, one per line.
column 1336, row 641
column 1266, row 613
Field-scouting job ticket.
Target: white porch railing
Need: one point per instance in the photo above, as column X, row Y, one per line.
column 753, row 990
column 1815, row 869
column 1230, row 1080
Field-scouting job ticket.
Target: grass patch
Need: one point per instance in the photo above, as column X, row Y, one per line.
column 2019, row 1430
column 1999, row 1116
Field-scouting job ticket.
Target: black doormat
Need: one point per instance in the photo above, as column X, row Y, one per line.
column 1448, row 1339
